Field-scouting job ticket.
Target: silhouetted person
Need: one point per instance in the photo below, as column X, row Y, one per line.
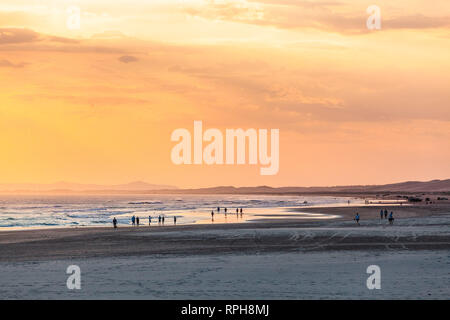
column 385, row 213
column 149, row 220
column 391, row 218
column 357, row 218
column 218, row 209
column 163, row 219
column 237, row 210
column 174, row 219
column 137, row 221
column 241, row 211
column 133, row 219
column 115, row 223
column 212, row 215
column 159, row 219
column 381, row 214
column 225, row 210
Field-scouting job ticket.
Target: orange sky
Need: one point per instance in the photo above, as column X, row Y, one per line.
column 98, row 104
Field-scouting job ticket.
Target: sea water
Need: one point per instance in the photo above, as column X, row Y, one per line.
column 42, row 211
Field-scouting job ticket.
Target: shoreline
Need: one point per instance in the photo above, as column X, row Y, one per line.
column 416, row 232
column 333, row 213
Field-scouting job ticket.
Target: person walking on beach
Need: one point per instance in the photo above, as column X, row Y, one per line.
column 174, row 219
column 163, row 219
column 237, row 210
column 149, row 220
column 381, row 214
column 133, row 219
column 357, row 218
column 385, row 213
column 212, row 215
column 159, row 219
column 391, row 218
column 225, row 210
column 137, row 221
column 218, row 209
column 115, row 223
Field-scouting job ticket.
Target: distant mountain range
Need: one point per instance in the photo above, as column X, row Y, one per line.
column 410, row 187
column 407, row 187
column 143, row 187
column 68, row 186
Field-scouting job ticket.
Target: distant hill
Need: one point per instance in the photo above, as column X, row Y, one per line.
column 68, row 186
column 434, row 186
column 407, row 187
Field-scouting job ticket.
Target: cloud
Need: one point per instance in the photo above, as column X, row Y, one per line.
column 236, row 10
column 7, row 64
column 417, row 21
column 128, row 59
column 92, row 100
column 62, row 39
column 289, row 14
column 109, row 34
column 16, row 35
column 9, row 36
column 27, row 40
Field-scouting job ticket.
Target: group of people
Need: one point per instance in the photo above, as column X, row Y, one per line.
column 135, row 220
column 383, row 215
column 238, row 211
column 161, row 218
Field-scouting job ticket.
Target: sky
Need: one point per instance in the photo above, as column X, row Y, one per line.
column 97, row 102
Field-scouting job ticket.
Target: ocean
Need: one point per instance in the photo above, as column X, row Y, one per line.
column 43, row 211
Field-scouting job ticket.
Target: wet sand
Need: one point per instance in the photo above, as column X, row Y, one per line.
column 417, row 227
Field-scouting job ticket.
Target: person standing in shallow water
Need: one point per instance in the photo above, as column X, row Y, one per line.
column 115, row 223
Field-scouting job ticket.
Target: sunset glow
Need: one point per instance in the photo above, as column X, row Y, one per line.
column 98, row 104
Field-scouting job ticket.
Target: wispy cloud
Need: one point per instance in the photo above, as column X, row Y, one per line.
column 128, row 59
column 25, row 36
column 7, row 64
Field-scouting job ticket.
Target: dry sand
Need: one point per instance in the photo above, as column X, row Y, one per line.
column 267, row 259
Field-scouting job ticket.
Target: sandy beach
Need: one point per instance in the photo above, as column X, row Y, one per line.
column 421, row 234
column 285, row 233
